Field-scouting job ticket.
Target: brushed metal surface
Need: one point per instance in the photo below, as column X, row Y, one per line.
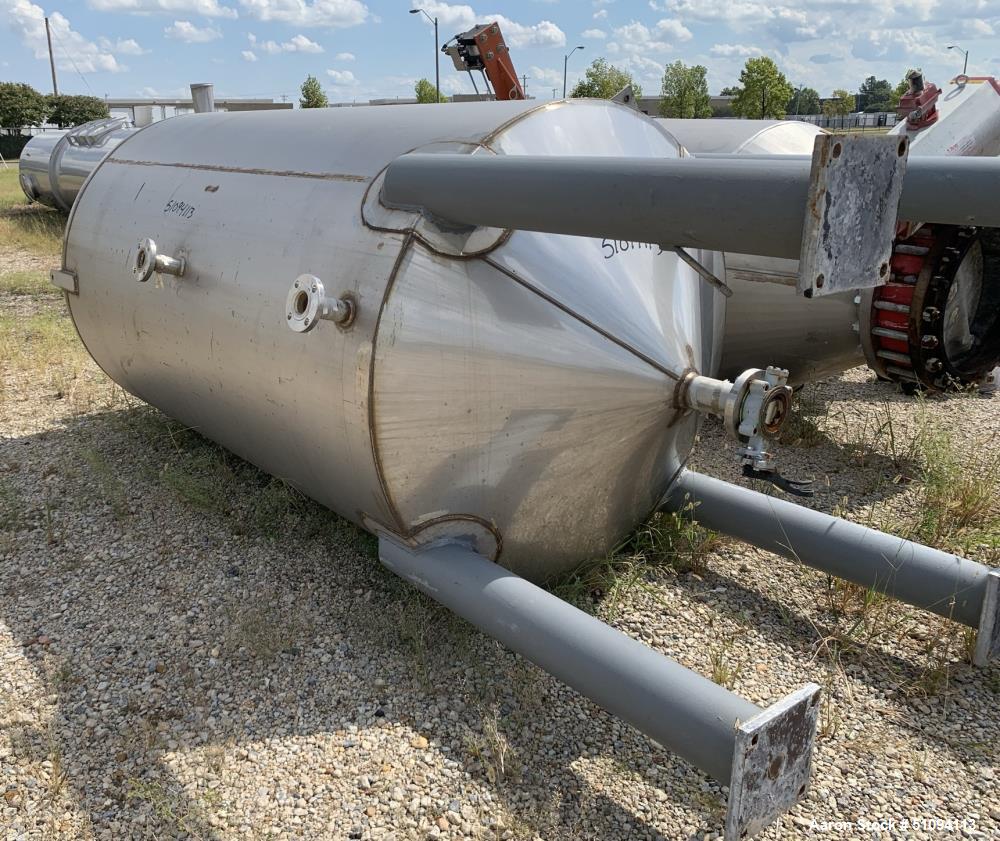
column 517, row 395
column 52, row 168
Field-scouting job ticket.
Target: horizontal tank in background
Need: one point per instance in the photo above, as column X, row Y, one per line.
column 765, row 316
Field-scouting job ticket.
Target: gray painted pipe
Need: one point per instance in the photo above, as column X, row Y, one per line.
column 680, row 709
column 958, row 188
column 907, row 571
column 745, row 204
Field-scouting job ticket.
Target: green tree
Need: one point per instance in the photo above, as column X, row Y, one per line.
column 68, row 111
column 875, row 95
column 764, row 90
column 602, row 81
column 21, row 105
column 426, row 92
column 312, row 94
column 732, row 90
column 804, row 101
column 840, row 103
column 685, row 92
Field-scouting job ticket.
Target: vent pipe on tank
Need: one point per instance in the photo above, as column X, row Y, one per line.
column 203, row 96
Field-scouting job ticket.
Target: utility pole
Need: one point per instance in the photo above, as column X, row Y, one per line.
column 566, row 64
column 52, row 61
column 524, row 85
column 437, row 50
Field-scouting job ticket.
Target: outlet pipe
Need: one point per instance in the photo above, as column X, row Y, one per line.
column 203, row 97
column 764, row 755
column 948, row 585
column 740, row 204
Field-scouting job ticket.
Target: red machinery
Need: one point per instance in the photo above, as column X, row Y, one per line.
column 936, row 323
column 483, row 49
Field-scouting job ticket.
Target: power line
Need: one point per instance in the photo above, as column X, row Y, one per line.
column 77, row 69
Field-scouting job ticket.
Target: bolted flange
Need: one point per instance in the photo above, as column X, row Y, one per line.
column 307, row 303
column 148, row 260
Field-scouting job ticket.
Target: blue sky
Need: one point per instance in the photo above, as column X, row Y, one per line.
column 361, row 50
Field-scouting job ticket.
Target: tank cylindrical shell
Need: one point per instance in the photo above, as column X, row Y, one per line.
column 515, row 389
column 53, row 165
column 765, row 317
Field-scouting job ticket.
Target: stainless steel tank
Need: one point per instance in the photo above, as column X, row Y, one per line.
column 514, row 389
column 54, row 164
column 765, row 318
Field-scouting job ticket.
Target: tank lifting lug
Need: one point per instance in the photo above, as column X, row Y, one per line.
column 148, row 260
column 308, row 302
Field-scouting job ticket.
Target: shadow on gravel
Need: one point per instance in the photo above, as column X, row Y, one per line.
column 188, row 613
column 956, row 712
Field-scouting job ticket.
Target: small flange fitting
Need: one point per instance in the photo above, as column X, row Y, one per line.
column 307, row 303
column 147, row 261
column 753, row 408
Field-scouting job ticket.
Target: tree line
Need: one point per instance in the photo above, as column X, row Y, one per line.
column 763, row 92
column 22, row 106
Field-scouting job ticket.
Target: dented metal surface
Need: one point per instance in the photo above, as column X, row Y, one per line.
column 988, row 633
column 772, row 762
column 850, row 222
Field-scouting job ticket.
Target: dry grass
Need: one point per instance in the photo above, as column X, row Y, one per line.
column 30, row 283
column 44, row 350
column 31, row 227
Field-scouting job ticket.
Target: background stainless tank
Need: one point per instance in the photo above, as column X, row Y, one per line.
column 54, row 164
column 510, row 388
column 765, row 318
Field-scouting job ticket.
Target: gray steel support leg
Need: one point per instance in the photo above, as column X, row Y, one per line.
column 764, row 756
column 945, row 584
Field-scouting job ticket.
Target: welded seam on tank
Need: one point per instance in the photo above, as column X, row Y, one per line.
column 611, row 337
column 239, row 170
column 65, row 253
column 372, row 433
column 505, row 233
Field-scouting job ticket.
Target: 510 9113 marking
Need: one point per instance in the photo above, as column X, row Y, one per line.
column 613, row 247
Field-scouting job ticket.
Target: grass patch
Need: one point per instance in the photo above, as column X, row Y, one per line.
column 960, row 493
column 669, row 539
column 44, row 350
column 34, row 283
column 33, row 227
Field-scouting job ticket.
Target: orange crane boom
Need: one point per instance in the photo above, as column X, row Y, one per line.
column 482, row 48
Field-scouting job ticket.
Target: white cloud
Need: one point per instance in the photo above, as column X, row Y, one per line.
column 249, row 55
column 460, row 17
column 738, row 50
column 546, row 76
column 296, row 44
column 205, row 8
column 309, row 13
column 673, row 29
column 600, row 14
column 341, row 78
column 28, row 21
column 637, row 39
column 344, row 56
column 125, row 46
column 594, row 34
column 184, row 30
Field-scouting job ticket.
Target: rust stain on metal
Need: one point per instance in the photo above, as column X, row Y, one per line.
column 280, row 173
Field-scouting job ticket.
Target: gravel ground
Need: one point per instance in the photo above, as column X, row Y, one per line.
column 188, row 650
